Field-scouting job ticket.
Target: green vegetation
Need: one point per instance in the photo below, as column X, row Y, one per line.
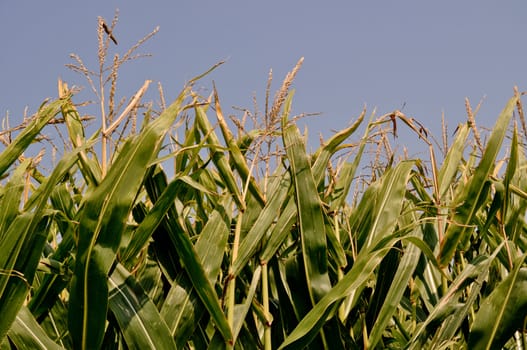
column 191, row 231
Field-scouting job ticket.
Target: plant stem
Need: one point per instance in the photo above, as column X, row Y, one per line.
column 265, row 303
column 232, row 284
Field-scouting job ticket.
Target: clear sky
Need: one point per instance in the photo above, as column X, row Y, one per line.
column 425, row 55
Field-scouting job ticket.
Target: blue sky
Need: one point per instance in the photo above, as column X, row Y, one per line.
column 427, row 56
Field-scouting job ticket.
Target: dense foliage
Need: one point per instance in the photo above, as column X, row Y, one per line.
column 196, row 232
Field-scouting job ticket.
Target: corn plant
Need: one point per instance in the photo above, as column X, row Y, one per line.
column 193, row 231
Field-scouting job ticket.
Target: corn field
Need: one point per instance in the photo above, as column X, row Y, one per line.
column 182, row 229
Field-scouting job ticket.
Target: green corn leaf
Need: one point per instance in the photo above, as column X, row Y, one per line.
column 288, row 314
column 237, row 158
column 287, row 215
column 71, row 117
column 212, row 241
column 361, row 217
column 181, row 307
column 89, row 166
column 281, row 230
column 12, row 195
column 452, row 160
column 510, row 171
column 164, row 203
column 354, row 280
column 181, row 311
column 23, row 244
column 150, row 277
column 324, row 153
column 26, row 333
column 24, row 240
column 240, row 313
column 335, row 247
column 102, row 220
column 278, row 189
column 392, row 298
column 201, row 262
column 517, row 201
column 45, row 296
column 163, row 246
column 502, row 312
column 380, row 237
column 389, row 200
column 310, row 216
column 183, row 160
column 347, row 173
column 218, row 157
column 138, row 317
column 243, row 309
column 27, row 136
column 455, row 321
column 449, row 303
column 56, row 324
column 475, row 192
column 40, row 196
